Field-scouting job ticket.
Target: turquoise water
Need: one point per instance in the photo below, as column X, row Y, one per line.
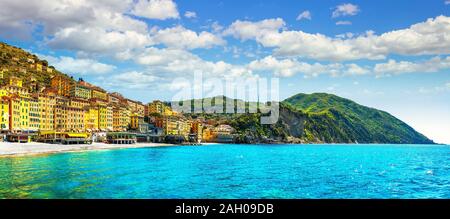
column 233, row 171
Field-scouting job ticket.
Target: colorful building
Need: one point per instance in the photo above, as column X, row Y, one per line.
column 176, row 126
column 4, row 113
column 15, row 81
column 34, row 114
column 121, row 118
column 105, row 118
column 79, row 91
column 158, row 107
column 47, row 102
column 155, row 107
column 197, row 130
column 62, row 85
column 99, row 93
column 91, row 119
column 136, row 119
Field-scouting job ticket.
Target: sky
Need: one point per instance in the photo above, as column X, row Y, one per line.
column 390, row 55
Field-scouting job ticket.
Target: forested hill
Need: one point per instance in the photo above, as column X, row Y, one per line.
column 321, row 118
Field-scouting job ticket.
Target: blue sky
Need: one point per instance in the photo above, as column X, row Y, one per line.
column 391, row 55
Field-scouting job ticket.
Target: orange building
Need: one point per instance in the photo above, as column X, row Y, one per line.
column 62, row 85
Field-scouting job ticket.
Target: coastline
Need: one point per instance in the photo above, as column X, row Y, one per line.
column 8, row 149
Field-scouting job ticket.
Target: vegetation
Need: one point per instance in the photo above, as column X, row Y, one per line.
column 320, row 118
column 20, row 63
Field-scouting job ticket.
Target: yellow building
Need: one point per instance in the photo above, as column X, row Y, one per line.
column 21, row 91
column 34, row 114
column 3, row 92
column 14, row 112
column 24, row 113
column 99, row 93
column 75, row 118
column 69, row 119
column 158, row 107
column 79, row 103
column 2, row 73
column 47, row 102
column 15, row 81
column 176, row 126
column 60, row 113
column 105, row 118
column 136, row 120
column 38, row 67
column 4, row 113
column 80, row 91
column 121, row 118
column 19, row 108
column 91, row 119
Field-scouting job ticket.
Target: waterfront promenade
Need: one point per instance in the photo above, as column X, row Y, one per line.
column 33, row 148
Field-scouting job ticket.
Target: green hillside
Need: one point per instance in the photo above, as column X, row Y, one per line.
column 17, row 62
column 336, row 119
column 319, row 118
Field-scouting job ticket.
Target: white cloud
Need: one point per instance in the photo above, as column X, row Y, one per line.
column 246, row 30
column 156, row 9
column 190, row 14
column 343, row 23
column 447, row 2
column 55, row 14
column 290, row 67
column 180, row 37
column 304, row 15
column 177, row 62
column 434, row 64
column 103, row 27
column 78, row 66
column 130, row 80
column 97, row 40
column 87, row 26
column 431, row 37
column 164, row 65
column 346, row 9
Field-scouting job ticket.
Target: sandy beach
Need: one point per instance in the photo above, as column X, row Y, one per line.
column 22, row 149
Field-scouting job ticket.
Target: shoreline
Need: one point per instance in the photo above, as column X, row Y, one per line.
column 8, row 149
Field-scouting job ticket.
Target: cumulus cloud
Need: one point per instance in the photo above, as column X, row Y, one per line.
column 97, row 40
column 434, row 64
column 290, row 67
column 102, row 27
column 190, row 14
column 246, row 30
column 132, row 79
column 180, row 37
column 346, row 9
column 431, row 37
column 181, row 63
column 304, row 15
column 156, row 9
column 78, row 66
column 164, row 65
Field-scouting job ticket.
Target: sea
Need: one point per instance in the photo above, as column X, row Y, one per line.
column 229, row 171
